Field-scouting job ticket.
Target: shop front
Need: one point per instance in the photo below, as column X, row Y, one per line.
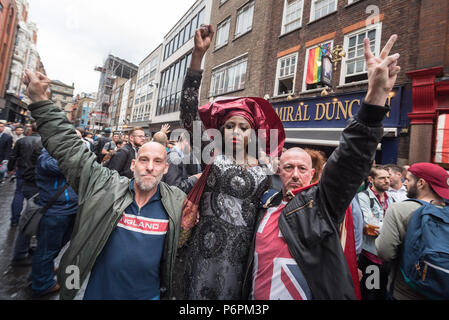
column 317, row 123
column 14, row 110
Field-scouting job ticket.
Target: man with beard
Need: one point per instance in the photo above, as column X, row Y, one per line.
column 424, row 181
column 397, row 189
column 374, row 202
column 126, row 231
column 121, row 160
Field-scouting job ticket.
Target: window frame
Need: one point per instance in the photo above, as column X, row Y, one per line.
column 246, row 6
column 220, row 26
column 278, row 78
column 223, row 73
column 312, row 10
column 376, row 52
column 284, row 16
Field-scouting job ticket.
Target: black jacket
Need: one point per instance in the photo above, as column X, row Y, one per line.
column 310, row 222
column 121, row 161
column 24, row 155
column 5, row 146
column 179, row 173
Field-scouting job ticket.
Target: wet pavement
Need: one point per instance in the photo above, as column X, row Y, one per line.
column 14, row 284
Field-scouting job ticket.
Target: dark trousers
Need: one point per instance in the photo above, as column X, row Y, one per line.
column 17, row 201
column 22, row 243
column 372, row 271
column 54, row 233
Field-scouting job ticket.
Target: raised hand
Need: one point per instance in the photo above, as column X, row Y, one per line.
column 165, row 129
column 203, row 40
column 382, row 72
column 37, row 86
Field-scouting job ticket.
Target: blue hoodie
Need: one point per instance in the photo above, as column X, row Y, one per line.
column 49, row 179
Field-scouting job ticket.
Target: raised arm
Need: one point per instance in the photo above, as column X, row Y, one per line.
column 192, row 82
column 349, row 165
column 76, row 161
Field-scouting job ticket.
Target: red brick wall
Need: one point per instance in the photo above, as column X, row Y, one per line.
column 397, row 16
column 7, row 41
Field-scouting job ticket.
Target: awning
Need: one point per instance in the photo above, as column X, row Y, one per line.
column 442, row 139
column 329, row 137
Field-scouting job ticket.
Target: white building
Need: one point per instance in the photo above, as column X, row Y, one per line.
column 176, row 56
column 148, row 78
column 25, row 53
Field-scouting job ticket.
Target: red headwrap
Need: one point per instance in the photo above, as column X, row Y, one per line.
column 257, row 111
column 260, row 115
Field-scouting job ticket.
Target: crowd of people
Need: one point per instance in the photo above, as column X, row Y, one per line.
column 151, row 218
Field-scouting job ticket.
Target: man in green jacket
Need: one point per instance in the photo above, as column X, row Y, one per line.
column 126, row 231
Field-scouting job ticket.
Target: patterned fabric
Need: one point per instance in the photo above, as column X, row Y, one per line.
column 219, row 245
column 218, row 248
column 276, row 275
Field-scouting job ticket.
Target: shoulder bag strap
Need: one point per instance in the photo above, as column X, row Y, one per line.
column 55, row 197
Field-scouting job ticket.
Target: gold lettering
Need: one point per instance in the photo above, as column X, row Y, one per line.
column 323, row 111
column 350, row 106
column 343, row 109
column 328, row 117
column 298, row 114
column 305, row 113
column 290, row 114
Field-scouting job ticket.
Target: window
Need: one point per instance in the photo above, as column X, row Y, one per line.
column 223, row 33
column 222, row 2
column 352, row 1
column 354, row 67
column 286, row 75
column 292, row 15
column 313, row 67
column 193, row 26
column 201, row 16
column 228, row 79
column 170, row 87
column 320, row 8
column 244, row 19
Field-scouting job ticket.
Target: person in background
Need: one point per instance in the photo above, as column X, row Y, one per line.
column 122, row 159
column 374, row 202
column 56, row 225
column 178, row 174
column 424, row 181
column 397, row 189
column 5, row 149
column 17, row 135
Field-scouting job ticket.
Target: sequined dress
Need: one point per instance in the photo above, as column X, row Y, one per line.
column 216, row 254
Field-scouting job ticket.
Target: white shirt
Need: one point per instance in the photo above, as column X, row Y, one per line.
column 398, row 195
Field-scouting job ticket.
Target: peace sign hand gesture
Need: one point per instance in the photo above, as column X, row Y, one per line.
column 382, row 72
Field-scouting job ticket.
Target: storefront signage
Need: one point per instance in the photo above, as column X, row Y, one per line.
column 332, row 112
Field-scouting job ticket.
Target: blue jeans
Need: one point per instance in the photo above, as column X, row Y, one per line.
column 54, row 233
column 17, row 201
column 22, row 243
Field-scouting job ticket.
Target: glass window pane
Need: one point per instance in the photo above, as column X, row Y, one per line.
column 350, row 69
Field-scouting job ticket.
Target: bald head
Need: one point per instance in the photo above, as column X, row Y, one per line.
column 153, row 147
column 161, row 138
column 297, row 153
column 295, row 170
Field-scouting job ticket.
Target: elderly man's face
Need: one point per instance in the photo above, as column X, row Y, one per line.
column 150, row 166
column 295, row 170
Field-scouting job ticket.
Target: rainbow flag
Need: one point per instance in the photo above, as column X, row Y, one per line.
column 314, row 64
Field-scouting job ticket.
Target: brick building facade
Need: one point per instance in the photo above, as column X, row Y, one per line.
column 284, row 51
column 8, row 27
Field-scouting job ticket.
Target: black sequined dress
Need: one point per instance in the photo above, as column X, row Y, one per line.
column 216, row 254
